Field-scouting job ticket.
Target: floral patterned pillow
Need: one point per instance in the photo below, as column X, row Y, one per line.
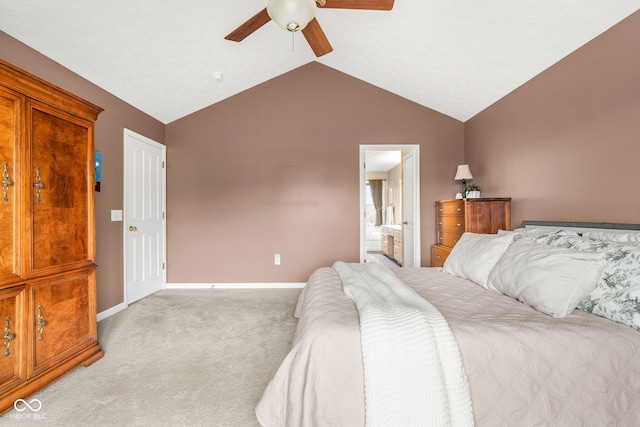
column 631, row 238
column 543, row 236
column 617, row 295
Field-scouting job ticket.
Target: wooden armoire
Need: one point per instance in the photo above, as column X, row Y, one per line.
column 47, row 234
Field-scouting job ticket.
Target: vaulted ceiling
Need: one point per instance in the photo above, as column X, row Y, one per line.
column 453, row 56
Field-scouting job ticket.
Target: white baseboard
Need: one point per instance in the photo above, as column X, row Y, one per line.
column 234, row 285
column 111, row 311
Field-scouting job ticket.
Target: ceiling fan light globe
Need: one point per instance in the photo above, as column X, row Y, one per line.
column 292, row 15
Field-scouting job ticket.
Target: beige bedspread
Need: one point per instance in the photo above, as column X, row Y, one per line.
column 524, row 368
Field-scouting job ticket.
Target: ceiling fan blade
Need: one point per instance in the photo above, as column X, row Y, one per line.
column 315, row 37
column 246, row 29
column 358, row 4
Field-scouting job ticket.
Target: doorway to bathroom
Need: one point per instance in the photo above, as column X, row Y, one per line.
column 389, row 204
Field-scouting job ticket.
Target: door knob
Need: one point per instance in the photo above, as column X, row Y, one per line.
column 133, row 228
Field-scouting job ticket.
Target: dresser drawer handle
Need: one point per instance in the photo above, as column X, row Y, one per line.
column 458, row 225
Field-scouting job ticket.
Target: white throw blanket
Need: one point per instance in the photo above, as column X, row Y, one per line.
column 413, row 373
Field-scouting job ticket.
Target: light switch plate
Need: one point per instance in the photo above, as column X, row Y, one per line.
column 116, row 215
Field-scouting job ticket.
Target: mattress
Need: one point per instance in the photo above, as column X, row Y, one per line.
column 524, row 368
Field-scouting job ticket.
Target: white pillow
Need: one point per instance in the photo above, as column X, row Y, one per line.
column 474, row 256
column 552, row 280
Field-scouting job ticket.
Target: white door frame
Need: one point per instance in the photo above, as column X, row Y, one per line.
column 409, row 196
column 127, row 187
column 415, row 149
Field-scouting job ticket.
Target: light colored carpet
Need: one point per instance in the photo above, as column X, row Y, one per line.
column 176, row 358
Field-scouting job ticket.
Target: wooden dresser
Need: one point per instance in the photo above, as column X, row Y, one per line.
column 454, row 217
column 47, row 234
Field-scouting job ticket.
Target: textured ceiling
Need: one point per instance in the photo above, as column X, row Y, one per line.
column 456, row 57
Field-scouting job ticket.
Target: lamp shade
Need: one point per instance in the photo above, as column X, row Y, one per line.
column 292, row 15
column 463, row 173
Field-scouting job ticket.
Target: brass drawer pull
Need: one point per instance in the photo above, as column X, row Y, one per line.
column 8, row 336
column 39, row 185
column 6, row 182
column 41, row 323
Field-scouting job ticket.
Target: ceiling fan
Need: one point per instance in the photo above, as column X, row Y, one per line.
column 299, row 15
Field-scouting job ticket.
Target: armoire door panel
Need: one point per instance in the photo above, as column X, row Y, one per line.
column 14, row 329
column 61, row 193
column 62, row 309
column 10, row 111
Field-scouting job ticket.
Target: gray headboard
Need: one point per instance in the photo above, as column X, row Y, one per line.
column 580, row 227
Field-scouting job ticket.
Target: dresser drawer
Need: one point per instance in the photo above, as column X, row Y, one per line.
column 452, row 224
column 448, row 239
column 451, row 208
column 438, row 255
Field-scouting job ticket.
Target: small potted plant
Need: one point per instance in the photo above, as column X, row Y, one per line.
column 472, row 191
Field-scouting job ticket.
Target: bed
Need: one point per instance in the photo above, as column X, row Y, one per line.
column 524, row 367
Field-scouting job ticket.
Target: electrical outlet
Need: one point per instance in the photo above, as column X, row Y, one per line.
column 276, row 259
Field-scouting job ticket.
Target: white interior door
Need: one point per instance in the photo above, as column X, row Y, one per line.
column 144, row 216
column 408, row 209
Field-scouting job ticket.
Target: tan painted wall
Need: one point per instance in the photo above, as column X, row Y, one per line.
column 566, row 145
column 108, row 140
column 275, row 170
